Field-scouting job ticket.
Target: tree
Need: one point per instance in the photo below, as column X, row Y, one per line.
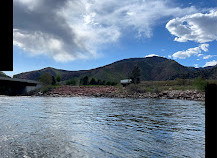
column 113, row 83
column 103, row 82
column 108, row 83
column 85, row 80
column 93, row 81
column 47, row 79
column 71, row 82
column 81, row 81
column 2, row 74
column 100, row 82
column 135, row 75
column 58, row 78
column 53, row 80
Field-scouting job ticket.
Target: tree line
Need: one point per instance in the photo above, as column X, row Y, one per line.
column 86, row 81
column 48, row 79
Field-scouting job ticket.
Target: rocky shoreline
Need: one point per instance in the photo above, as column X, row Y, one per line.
column 114, row 92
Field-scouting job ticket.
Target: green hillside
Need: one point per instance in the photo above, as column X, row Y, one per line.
column 152, row 68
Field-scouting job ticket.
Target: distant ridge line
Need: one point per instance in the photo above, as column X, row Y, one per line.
column 152, row 68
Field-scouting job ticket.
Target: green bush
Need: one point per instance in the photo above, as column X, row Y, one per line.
column 148, row 89
column 46, row 89
column 47, row 79
column 71, row 82
column 180, row 81
column 135, row 88
column 58, row 78
column 156, row 89
column 111, row 83
column 100, row 82
column 200, row 84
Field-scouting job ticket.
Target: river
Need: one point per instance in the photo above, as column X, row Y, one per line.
column 35, row 127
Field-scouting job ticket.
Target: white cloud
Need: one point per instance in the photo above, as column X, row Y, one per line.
column 151, row 55
column 197, row 27
column 45, row 45
column 204, row 47
column 207, row 56
column 210, row 63
column 67, row 30
column 196, row 65
column 191, row 51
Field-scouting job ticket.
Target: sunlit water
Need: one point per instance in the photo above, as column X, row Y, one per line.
column 101, row 127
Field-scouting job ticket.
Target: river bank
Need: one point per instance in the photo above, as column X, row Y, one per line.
column 115, row 92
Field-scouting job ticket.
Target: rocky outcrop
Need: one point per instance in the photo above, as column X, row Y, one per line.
column 114, row 92
column 175, row 94
column 82, row 91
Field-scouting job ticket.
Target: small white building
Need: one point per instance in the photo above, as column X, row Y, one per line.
column 126, row 82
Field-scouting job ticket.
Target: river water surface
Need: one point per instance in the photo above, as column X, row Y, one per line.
column 101, row 127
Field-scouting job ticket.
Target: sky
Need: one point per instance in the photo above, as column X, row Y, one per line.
column 85, row 34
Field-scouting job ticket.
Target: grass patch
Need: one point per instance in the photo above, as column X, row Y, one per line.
column 179, row 84
column 48, row 88
column 200, row 84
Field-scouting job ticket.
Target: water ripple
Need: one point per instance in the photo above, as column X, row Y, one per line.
column 101, row 127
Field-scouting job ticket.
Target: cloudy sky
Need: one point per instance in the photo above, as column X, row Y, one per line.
column 85, row 34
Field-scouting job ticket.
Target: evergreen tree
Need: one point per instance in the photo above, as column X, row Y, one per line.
column 103, row 82
column 108, row 83
column 99, row 82
column 53, row 80
column 93, row 81
column 135, row 75
column 81, row 81
column 85, row 80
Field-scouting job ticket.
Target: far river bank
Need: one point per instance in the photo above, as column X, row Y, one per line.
column 115, row 92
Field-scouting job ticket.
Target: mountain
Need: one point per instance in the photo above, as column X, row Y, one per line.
column 152, row 68
column 34, row 75
column 206, row 72
column 2, row 74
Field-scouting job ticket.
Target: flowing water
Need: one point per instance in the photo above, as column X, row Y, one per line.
column 101, row 127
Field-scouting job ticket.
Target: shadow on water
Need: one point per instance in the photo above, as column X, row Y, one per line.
column 100, row 127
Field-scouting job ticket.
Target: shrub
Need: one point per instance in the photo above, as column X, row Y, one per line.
column 47, row 79
column 71, row 82
column 200, row 84
column 134, row 88
column 148, row 89
column 58, row 78
column 47, row 88
column 156, row 90
column 111, row 83
column 100, row 82
column 108, row 83
column 180, row 81
column 114, row 83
